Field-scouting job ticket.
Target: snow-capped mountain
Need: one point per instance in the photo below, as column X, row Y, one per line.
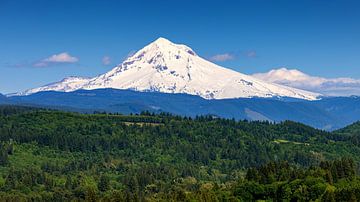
column 166, row 67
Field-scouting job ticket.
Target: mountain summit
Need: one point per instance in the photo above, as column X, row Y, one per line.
column 167, row 67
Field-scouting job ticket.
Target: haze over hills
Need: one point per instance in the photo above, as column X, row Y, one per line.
column 163, row 66
column 327, row 113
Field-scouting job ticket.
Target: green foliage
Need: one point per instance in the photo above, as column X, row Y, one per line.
column 6, row 110
column 61, row 156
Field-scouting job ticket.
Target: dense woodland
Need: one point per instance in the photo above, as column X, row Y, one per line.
column 48, row 155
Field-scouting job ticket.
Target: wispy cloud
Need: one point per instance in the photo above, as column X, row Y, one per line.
column 17, row 65
column 250, row 54
column 222, row 57
column 61, row 58
column 233, row 55
column 106, row 60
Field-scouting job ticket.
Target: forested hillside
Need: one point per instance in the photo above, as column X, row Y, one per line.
column 61, row 156
column 353, row 129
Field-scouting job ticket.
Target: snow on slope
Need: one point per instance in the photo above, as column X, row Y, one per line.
column 171, row 68
column 66, row 85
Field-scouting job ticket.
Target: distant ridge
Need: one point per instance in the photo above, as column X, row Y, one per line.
column 327, row 113
column 2, row 98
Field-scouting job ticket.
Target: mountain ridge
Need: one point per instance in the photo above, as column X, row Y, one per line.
column 175, row 68
column 327, row 113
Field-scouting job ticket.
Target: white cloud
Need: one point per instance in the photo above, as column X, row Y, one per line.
column 106, row 60
column 222, row 57
column 297, row 79
column 62, row 57
column 56, row 59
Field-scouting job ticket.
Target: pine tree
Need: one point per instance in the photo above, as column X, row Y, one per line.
column 104, row 183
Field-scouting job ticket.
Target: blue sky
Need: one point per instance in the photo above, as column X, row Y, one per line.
column 321, row 38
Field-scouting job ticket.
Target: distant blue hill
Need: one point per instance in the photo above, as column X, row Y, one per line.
column 328, row 113
column 3, row 99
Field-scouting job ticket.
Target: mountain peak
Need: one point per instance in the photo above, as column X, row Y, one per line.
column 162, row 40
column 166, row 47
column 164, row 66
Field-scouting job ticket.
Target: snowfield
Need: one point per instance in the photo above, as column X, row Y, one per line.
column 163, row 66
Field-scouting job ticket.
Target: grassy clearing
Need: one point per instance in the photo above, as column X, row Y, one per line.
column 282, row 141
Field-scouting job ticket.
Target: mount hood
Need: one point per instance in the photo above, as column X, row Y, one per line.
column 163, row 66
